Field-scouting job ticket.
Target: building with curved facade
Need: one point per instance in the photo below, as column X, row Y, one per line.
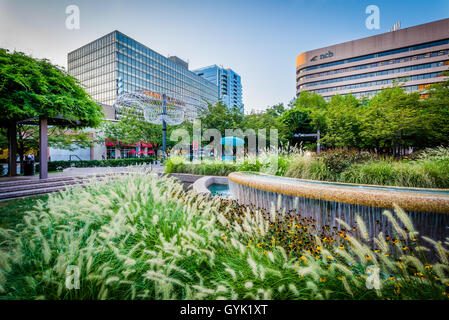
column 415, row 56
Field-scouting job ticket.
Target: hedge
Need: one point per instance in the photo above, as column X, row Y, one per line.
column 61, row 165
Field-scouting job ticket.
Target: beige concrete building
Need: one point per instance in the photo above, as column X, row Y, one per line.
column 417, row 56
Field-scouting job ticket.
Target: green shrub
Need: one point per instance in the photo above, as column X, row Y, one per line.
column 61, row 165
column 424, row 174
column 340, row 159
column 309, row 167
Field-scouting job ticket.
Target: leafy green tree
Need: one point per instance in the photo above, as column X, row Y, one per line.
column 435, row 117
column 31, row 88
column 307, row 114
column 391, row 119
column 36, row 88
column 269, row 119
column 343, row 123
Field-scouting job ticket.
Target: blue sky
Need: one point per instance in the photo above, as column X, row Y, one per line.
column 258, row 39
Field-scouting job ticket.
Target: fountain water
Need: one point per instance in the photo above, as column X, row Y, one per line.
column 324, row 202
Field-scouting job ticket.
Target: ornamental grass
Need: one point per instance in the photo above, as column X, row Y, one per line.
column 140, row 236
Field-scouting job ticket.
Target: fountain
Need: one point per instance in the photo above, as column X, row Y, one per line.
column 325, row 201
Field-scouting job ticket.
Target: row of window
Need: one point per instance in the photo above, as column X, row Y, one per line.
column 376, row 74
column 150, row 77
column 373, row 92
column 376, row 83
column 145, row 70
column 88, row 64
column 94, row 46
column 377, row 64
column 380, row 54
column 144, row 54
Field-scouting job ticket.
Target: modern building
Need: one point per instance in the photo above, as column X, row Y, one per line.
column 229, row 83
column 417, row 55
column 115, row 64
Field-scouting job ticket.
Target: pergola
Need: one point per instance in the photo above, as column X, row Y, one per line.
column 43, row 124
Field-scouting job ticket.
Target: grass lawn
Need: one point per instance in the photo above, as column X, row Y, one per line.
column 11, row 211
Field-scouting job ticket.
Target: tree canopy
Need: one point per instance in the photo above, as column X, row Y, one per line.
column 32, row 87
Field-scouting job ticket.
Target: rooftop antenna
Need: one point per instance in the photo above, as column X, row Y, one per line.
column 395, row 27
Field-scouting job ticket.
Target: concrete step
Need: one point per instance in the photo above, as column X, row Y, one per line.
column 33, row 192
column 46, row 184
column 33, row 181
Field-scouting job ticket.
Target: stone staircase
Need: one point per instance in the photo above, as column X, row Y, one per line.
column 31, row 187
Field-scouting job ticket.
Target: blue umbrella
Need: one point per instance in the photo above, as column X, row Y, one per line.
column 232, row 141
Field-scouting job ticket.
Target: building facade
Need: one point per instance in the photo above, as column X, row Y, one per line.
column 115, row 64
column 415, row 56
column 229, row 83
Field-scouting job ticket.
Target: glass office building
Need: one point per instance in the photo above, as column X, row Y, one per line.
column 414, row 56
column 229, row 83
column 116, row 64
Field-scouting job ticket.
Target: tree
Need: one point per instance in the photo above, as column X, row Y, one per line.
column 391, row 119
column 269, row 119
column 307, row 114
column 435, row 117
column 343, row 123
column 33, row 88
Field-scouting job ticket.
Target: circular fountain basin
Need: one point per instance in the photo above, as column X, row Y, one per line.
column 212, row 185
column 411, row 199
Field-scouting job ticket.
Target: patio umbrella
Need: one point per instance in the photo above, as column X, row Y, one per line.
column 232, row 141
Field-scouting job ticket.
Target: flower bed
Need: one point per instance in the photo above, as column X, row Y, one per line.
column 143, row 237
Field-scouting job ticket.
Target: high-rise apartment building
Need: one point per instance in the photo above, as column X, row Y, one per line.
column 417, row 56
column 229, row 83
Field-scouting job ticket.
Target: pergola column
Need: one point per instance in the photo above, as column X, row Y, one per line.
column 12, row 146
column 43, row 147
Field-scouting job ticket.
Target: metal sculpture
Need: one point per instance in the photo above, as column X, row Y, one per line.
column 159, row 108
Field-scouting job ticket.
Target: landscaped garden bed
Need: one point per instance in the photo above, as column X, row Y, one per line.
column 143, row 237
column 428, row 169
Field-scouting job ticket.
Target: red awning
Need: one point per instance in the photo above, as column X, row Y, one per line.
column 110, row 143
column 133, row 151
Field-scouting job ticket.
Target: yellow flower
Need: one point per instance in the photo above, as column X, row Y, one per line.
column 444, row 293
column 428, row 267
column 391, row 278
column 341, row 247
column 322, row 279
column 368, row 258
column 405, row 248
column 329, row 257
column 224, row 237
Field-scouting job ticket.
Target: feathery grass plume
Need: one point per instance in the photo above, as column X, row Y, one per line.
column 442, row 252
column 293, row 289
column 272, row 212
column 405, row 219
column 362, row 227
column 381, row 243
column 253, row 266
column 347, row 286
column 343, row 223
column 395, row 224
